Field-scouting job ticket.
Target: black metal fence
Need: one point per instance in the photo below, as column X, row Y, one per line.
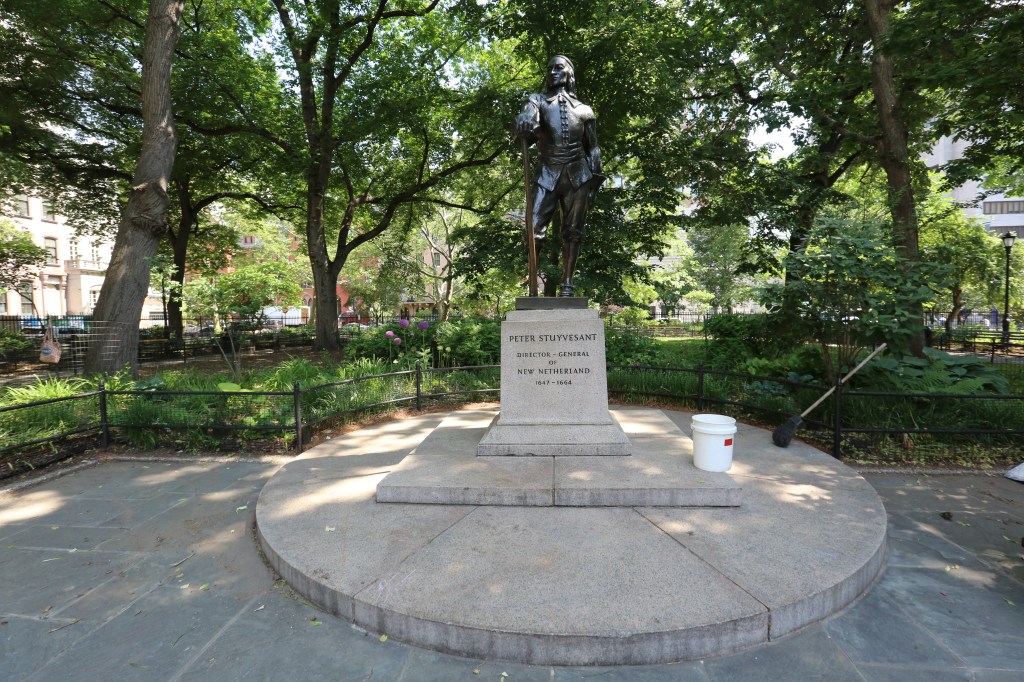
column 205, row 419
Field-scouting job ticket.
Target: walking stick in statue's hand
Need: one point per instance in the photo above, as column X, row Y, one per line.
column 531, row 243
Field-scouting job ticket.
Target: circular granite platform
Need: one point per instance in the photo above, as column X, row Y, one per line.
column 573, row 585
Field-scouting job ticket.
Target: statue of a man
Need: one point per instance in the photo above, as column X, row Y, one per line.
column 569, row 172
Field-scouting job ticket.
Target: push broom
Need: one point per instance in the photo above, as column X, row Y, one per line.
column 784, row 434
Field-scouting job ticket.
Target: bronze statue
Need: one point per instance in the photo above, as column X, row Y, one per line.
column 569, row 172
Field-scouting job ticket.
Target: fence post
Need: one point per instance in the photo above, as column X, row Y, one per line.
column 700, row 386
column 297, row 404
column 837, row 424
column 104, row 424
column 419, row 385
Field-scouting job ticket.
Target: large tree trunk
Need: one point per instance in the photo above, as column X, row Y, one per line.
column 179, row 249
column 894, row 151
column 115, row 340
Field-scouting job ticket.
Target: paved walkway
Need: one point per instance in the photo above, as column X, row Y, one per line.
column 149, row 571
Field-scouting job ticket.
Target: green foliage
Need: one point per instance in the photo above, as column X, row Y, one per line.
column 392, row 342
column 850, row 287
column 630, row 316
column 472, row 341
column 14, row 344
column 938, row 372
column 17, row 253
column 737, row 337
column 623, row 346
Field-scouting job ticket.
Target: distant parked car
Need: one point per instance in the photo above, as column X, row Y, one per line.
column 61, row 334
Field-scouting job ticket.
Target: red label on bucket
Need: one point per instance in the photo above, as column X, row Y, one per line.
column 728, row 442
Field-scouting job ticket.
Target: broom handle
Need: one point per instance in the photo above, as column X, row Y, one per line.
column 849, row 374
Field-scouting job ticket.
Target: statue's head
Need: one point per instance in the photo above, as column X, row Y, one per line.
column 560, row 73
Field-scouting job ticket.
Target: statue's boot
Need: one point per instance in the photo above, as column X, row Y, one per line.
column 570, row 252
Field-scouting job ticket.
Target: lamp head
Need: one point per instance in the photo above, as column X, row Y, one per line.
column 1008, row 239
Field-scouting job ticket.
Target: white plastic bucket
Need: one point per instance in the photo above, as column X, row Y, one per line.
column 713, row 435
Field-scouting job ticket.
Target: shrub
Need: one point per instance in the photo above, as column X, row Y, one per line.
column 472, row 340
column 14, row 345
column 625, row 347
column 737, row 337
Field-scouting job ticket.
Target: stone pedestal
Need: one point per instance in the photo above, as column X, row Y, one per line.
column 554, row 388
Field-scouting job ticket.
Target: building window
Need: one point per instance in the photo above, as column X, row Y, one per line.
column 3, row 302
column 48, row 214
column 21, row 206
column 94, row 296
column 436, row 259
column 25, row 292
column 1002, row 207
column 73, row 249
column 50, row 244
column 95, row 252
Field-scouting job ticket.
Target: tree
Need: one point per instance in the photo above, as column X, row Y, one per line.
column 144, row 220
column 381, row 280
column 971, row 254
column 719, row 255
column 392, row 102
column 852, row 287
column 245, row 292
column 18, row 253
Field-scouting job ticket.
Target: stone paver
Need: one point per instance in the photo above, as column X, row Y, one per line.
column 116, row 609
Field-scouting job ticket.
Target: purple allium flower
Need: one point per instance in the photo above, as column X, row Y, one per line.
column 424, row 324
column 403, row 323
column 398, row 341
column 389, row 334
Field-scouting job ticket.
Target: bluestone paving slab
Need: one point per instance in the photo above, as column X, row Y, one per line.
column 26, row 644
column 875, row 630
column 422, row 665
column 178, row 624
column 916, row 544
column 117, row 592
column 969, row 610
column 949, row 493
column 306, row 645
column 193, row 518
column 671, row 672
column 811, row 657
column 994, row 675
column 50, row 579
column 907, row 673
column 119, row 480
column 994, row 537
column 62, row 537
column 57, row 510
column 602, row 585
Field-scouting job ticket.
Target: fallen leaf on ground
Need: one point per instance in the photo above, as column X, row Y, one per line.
column 204, row 586
column 242, row 508
column 383, row 638
column 329, row 529
column 140, row 666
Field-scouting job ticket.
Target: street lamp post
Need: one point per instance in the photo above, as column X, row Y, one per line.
column 1008, row 240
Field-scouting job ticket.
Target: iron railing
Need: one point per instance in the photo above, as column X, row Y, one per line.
column 297, row 412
